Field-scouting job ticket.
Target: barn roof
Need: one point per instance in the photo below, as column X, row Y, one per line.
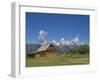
column 43, row 47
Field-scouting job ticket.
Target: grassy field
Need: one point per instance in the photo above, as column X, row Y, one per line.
column 53, row 60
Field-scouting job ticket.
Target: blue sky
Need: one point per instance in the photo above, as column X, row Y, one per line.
column 57, row 26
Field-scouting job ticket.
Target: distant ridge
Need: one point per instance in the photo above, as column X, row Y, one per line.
column 32, row 47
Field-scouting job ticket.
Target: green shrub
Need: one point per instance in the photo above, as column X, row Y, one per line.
column 83, row 49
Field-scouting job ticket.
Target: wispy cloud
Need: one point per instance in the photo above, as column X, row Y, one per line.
column 42, row 37
column 62, row 42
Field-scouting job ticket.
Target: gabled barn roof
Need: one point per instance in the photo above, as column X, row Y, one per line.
column 43, row 47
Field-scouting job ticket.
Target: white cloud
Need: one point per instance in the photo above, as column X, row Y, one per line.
column 42, row 37
column 76, row 40
column 54, row 41
column 62, row 42
column 57, row 44
column 68, row 43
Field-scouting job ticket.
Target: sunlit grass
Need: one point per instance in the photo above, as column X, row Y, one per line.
column 54, row 60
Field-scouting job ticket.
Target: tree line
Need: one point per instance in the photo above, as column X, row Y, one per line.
column 83, row 49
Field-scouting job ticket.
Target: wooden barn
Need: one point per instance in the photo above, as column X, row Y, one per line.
column 46, row 50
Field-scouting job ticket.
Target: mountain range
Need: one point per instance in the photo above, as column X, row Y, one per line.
column 62, row 45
